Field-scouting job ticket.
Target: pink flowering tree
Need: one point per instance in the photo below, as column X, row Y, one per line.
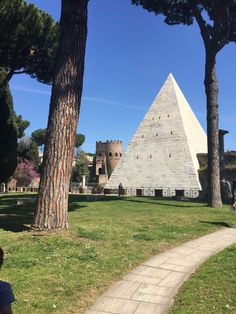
column 25, row 173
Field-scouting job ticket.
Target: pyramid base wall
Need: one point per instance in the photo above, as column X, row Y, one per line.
column 165, row 192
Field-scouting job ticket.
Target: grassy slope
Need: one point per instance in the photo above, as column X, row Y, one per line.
column 65, row 272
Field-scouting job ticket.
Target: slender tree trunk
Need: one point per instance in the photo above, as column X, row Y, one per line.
column 211, row 89
column 52, row 204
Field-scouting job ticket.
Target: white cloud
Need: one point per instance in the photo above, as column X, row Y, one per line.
column 85, row 98
column 111, row 102
column 30, row 90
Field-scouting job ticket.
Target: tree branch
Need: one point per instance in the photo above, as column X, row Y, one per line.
column 202, row 26
column 5, row 81
column 21, row 72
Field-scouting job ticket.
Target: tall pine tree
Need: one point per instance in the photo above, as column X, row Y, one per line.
column 52, row 205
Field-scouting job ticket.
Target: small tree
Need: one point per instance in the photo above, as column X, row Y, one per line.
column 81, row 167
column 25, row 172
column 21, row 126
column 8, row 134
column 79, row 140
column 39, row 137
column 217, row 23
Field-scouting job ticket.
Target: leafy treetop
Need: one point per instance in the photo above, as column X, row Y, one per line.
column 21, row 125
column 29, row 40
column 219, row 27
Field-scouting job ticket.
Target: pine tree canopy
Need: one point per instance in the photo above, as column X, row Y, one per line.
column 29, row 40
column 221, row 15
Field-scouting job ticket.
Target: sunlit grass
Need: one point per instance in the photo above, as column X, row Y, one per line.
column 64, row 272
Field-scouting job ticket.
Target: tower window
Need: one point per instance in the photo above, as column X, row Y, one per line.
column 171, row 132
column 169, row 155
column 120, row 154
column 110, row 154
column 150, row 155
column 116, row 154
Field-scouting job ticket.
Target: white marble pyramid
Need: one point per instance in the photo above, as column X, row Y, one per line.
column 161, row 157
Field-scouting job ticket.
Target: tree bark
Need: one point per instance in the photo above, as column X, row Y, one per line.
column 211, row 89
column 52, row 203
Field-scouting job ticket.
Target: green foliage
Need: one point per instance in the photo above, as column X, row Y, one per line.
column 21, row 125
column 184, row 12
column 81, row 167
column 8, row 134
column 39, row 137
column 29, row 40
column 79, row 140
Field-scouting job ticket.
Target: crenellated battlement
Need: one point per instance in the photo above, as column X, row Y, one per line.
column 109, row 142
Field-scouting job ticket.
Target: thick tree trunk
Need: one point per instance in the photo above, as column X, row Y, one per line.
column 52, row 204
column 211, row 89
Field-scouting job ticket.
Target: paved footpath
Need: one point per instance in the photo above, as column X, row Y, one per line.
column 150, row 288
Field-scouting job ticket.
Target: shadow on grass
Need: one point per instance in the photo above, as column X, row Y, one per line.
column 17, row 211
column 93, row 198
column 161, row 201
column 218, row 223
column 14, row 217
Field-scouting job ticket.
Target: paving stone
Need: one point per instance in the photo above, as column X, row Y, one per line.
column 179, row 252
column 200, row 255
column 142, row 279
column 181, row 261
column 156, row 261
column 114, row 305
column 174, row 280
column 139, row 296
column 96, row 312
column 179, row 268
column 123, row 289
column 150, row 271
column 155, row 290
column 151, row 308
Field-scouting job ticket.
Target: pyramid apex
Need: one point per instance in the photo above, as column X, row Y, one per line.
column 171, row 77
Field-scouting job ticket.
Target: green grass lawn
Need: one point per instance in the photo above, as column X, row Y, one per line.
column 212, row 289
column 64, row 272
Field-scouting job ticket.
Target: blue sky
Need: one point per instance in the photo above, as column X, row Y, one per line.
column 129, row 54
